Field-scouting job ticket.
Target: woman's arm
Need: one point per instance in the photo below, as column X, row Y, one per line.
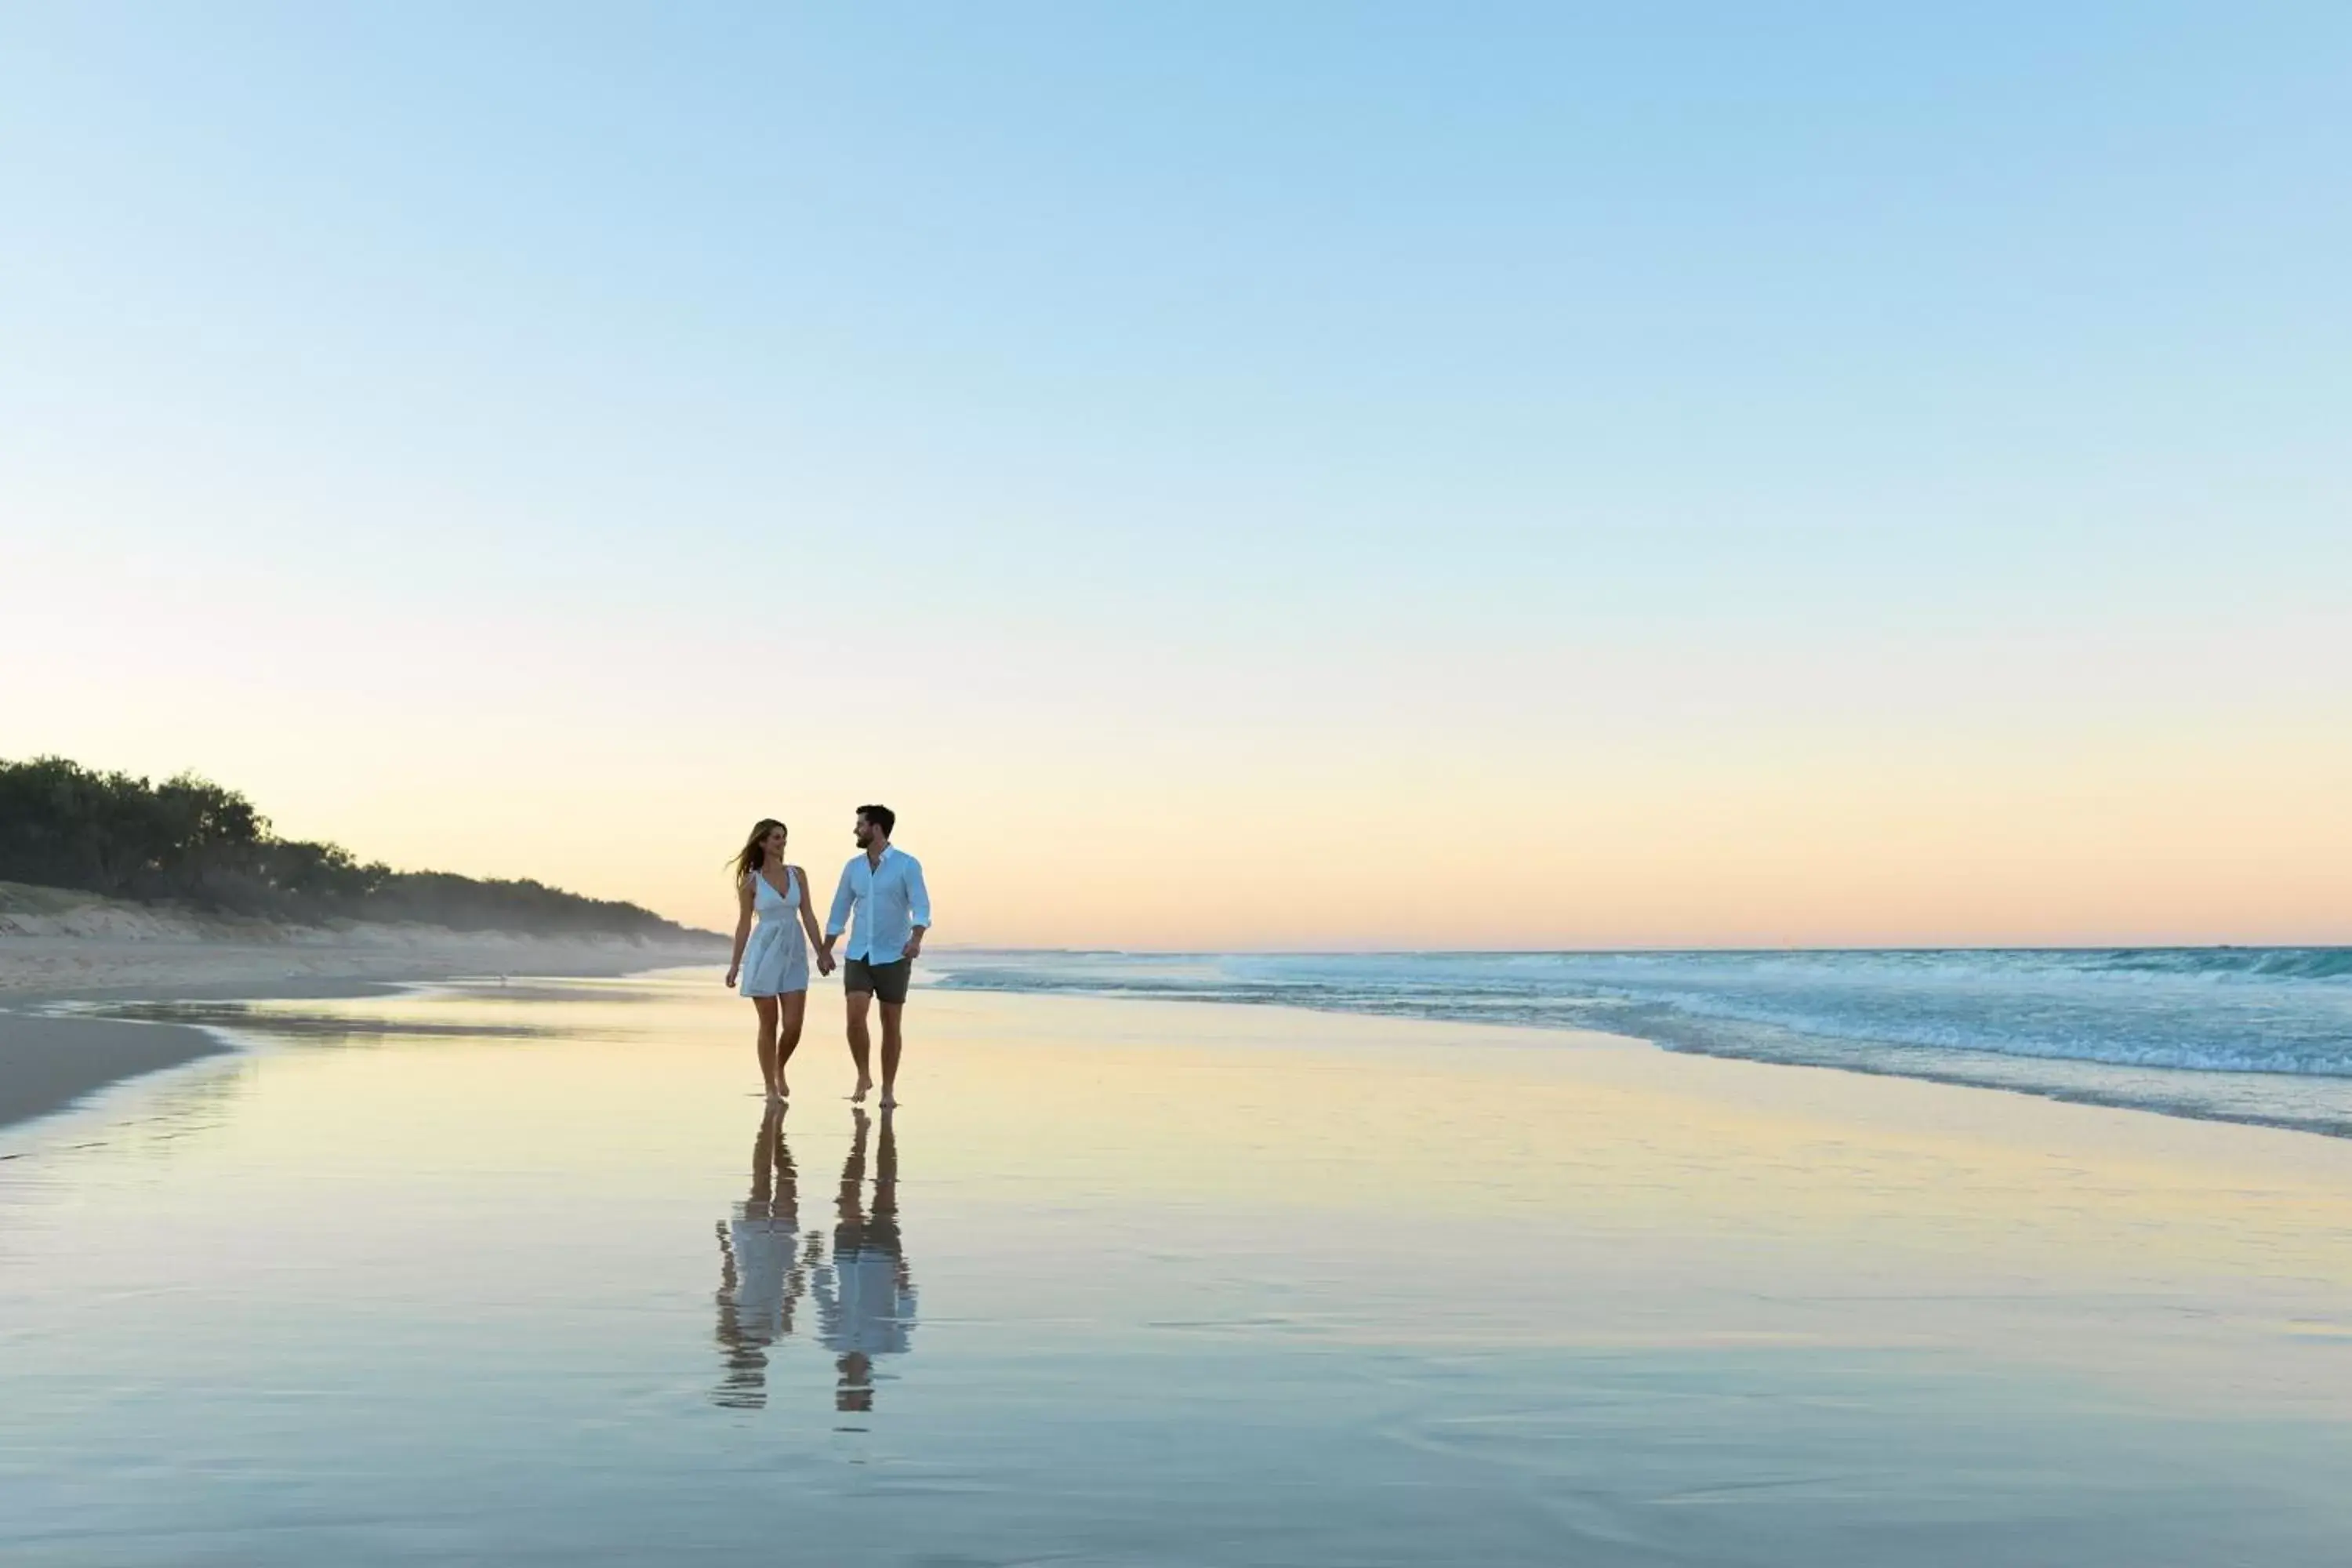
column 808, row 923
column 742, row 928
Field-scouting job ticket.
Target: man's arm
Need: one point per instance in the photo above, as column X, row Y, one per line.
column 839, row 917
column 919, row 908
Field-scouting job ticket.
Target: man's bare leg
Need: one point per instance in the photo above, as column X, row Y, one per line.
column 859, row 1047
column 890, row 1044
column 766, row 1007
column 792, row 1008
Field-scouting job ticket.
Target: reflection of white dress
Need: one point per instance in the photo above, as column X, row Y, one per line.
column 775, row 961
column 768, row 1280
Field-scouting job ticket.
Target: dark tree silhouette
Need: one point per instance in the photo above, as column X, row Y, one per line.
column 191, row 841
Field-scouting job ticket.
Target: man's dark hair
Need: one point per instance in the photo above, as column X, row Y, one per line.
column 881, row 816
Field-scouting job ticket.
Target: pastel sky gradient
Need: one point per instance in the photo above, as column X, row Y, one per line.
column 1309, row 475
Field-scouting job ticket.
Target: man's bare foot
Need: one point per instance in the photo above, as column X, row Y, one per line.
column 889, row 1101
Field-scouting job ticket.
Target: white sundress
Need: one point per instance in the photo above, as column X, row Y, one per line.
column 775, row 961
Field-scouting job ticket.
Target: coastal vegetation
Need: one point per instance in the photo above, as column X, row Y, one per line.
column 191, row 841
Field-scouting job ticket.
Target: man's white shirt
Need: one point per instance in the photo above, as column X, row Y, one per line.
column 890, row 901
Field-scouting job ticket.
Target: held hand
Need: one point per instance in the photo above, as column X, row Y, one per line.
column 824, row 962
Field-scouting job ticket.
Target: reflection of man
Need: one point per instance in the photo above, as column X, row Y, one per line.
column 760, row 1277
column 865, row 1301
column 885, row 885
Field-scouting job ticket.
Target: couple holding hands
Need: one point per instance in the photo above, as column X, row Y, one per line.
column 883, row 887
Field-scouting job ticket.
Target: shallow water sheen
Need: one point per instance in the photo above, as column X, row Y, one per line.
column 525, row 1275
column 2255, row 1035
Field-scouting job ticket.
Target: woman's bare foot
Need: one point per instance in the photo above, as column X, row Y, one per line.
column 864, row 1087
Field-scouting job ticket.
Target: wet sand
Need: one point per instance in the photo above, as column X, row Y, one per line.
column 48, row 1061
column 527, row 1276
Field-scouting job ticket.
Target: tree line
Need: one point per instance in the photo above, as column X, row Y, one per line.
column 192, row 841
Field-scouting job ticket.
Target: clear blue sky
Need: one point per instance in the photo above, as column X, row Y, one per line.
column 1557, row 389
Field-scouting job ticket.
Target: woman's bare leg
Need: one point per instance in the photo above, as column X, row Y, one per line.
column 767, row 1007
column 792, row 1009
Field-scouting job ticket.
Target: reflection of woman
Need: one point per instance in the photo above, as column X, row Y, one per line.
column 762, row 1276
column 773, row 961
column 864, row 1300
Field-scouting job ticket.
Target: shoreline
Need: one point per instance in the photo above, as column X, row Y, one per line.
column 51, row 1063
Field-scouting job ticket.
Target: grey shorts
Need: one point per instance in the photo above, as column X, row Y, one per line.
column 886, row 980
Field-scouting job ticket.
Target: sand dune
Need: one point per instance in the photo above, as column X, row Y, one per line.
column 60, row 945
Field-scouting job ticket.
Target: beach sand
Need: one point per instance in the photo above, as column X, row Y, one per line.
column 516, row 1274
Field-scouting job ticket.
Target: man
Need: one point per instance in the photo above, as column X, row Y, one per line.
column 894, row 908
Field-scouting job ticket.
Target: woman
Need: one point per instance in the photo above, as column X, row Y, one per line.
column 772, row 962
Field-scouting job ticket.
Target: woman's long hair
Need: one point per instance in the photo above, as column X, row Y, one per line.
column 753, row 857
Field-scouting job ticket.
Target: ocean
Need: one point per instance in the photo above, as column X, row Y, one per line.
column 2255, row 1035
